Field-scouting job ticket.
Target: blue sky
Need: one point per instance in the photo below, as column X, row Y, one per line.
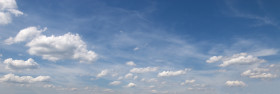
column 139, row 47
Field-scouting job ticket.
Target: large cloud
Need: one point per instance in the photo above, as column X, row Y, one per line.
column 7, row 9
column 260, row 73
column 21, row 64
column 53, row 48
column 236, row 59
column 25, row 35
column 67, row 46
column 235, row 83
column 143, row 70
column 172, row 73
column 23, row 79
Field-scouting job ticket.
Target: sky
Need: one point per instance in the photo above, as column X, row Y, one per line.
column 139, row 47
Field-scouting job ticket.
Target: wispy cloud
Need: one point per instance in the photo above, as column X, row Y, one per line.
column 261, row 20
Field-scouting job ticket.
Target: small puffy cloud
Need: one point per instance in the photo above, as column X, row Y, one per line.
column 259, row 73
column 129, row 75
column 235, row 83
column 172, row 73
column 23, row 79
column 152, row 80
column 49, row 86
column 154, row 91
column 136, row 48
column 188, row 82
column 214, row 59
column 149, row 80
column 144, row 70
column 135, row 77
column 25, row 35
column 21, row 64
column 7, row 9
column 115, row 83
column 130, row 63
column 131, row 85
column 236, row 59
column 102, row 73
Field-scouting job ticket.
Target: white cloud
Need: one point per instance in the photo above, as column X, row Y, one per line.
column 8, row 7
column 242, row 58
column 25, row 34
column 236, row 59
column 152, row 80
column 102, row 73
column 67, row 46
column 23, row 79
column 235, row 83
column 115, row 83
column 53, row 48
column 135, row 49
column 189, row 81
column 173, row 73
column 259, row 73
column 49, row 86
column 131, row 85
column 5, row 18
column 143, row 70
column 21, row 64
column 135, row 77
column 130, row 63
column 214, row 59
column 129, row 75
column 265, row 52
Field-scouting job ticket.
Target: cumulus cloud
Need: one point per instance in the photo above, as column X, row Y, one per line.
column 23, row 79
column 130, row 63
column 102, row 73
column 236, row 59
column 7, row 9
column 143, row 70
column 131, row 85
column 21, row 64
column 129, row 75
column 259, row 73
column 242, row 58
column 115, row 83
column 172, row 73
column 67, row 46
column 188, row 82
column 53, row 48
column 214, row 59
column 25, row 35
column 235, row 83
